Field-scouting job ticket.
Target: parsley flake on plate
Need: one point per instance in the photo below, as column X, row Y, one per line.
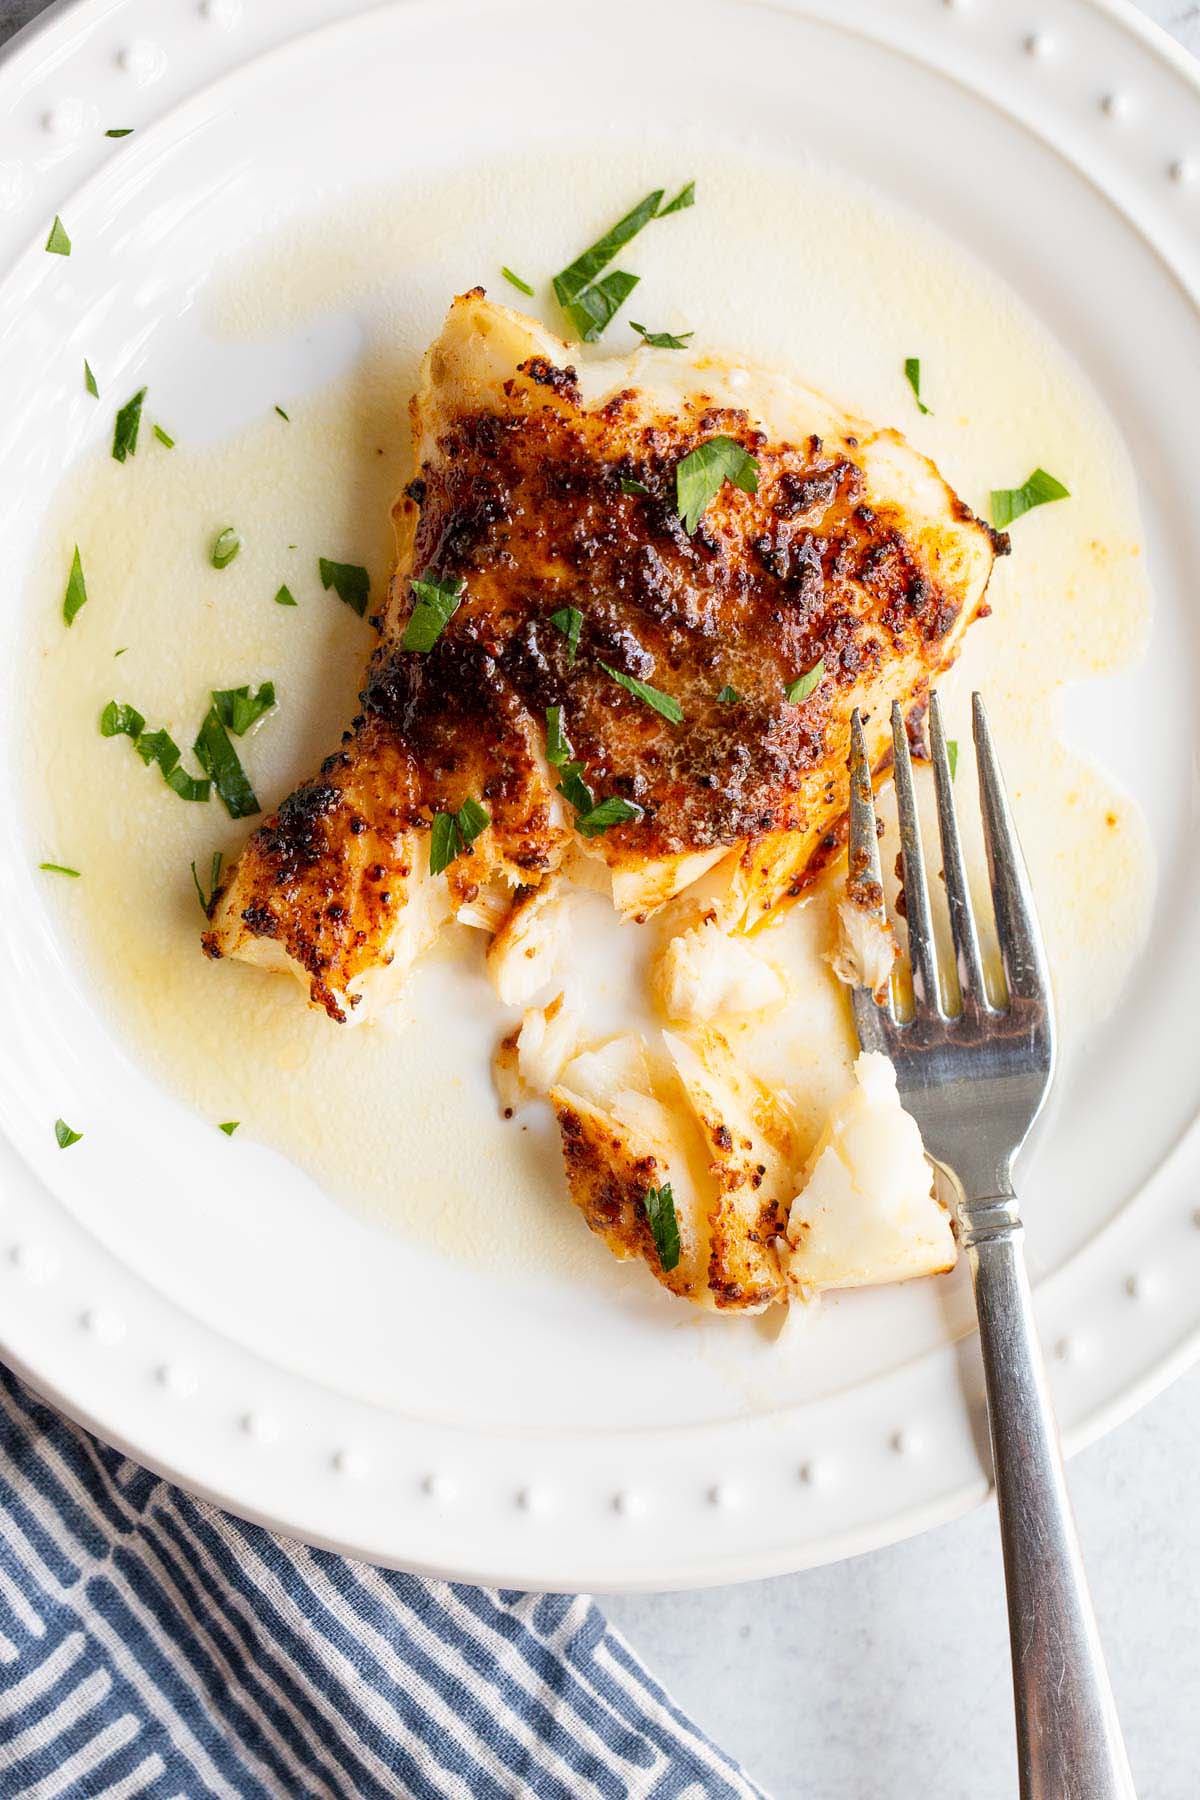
column 121, row 720
column 58, row 243
column 684, row 198
column 912, row 374
column 349, row 581
column 591, row 303
column 1012, row 503
column 214, row 881
column 76, row 594
column 126, row 426
column 64, row 1136
column 225, row 547
column 663, row 340
column 232, row 710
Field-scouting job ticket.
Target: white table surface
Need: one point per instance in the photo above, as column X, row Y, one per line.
column 886, row 1678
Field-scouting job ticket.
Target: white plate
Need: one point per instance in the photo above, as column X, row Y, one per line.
column 259, row 1354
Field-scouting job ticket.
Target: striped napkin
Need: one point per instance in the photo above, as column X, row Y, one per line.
column 150, row 1645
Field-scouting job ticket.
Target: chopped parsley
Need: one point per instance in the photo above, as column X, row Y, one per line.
column 229, row 1127
column 952, row 757
column 613, row 811
column 120, row 131
column 282, row 414
column 599, row 304
column 1011, row 503
column 58, row 243
column 703, row 472
column 684, row 198
column 160, row 747
column 89, row 380
column 806, row 684
column 471, row 819
column 569, row 620
column 558, row 744
column 728, row 696
column 664, row 1224
column 570, row 282
column 349, row 581
column 285, row 596
column 912, row 374
column 663, row 340
column 590, row 303
column 522, row 287
column 76, row 594
column 240, row 708
column 629, row 486
column 164, row 438
column 592, row 818
column 121, row 651
column 225, row 547
column 662, row 703
column 232, row 709
column 452, row 833
column 214, row 881
column 125, row 429
column 59, row 869
column 120, row 720
column 574, row 789
column 434, row 605
column 64, row 1136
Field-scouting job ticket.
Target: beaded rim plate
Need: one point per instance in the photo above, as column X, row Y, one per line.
column 1094, row 117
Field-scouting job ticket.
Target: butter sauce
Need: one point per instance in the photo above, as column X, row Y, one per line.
column 399, row 1119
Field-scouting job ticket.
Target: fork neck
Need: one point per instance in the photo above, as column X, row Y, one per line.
column 989, row 1218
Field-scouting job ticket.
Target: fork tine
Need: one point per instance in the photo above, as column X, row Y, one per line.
column 958, row 894
column 864, row 870
column 1021, row 948
column 864, row 838
column 922, row 954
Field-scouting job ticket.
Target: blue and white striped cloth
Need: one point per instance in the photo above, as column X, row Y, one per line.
column 153, row 1646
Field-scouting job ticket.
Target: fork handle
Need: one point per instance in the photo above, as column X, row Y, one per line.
column 1068, row 1736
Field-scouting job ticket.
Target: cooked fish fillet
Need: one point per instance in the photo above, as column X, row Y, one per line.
column 543, row 486
column 695, row 1123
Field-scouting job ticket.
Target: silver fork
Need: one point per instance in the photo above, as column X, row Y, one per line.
column 975, row 1079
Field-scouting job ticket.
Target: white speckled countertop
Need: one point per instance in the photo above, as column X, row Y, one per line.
column 886, row 1677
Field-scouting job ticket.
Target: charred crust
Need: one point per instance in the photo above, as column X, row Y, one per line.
column 563, row 382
